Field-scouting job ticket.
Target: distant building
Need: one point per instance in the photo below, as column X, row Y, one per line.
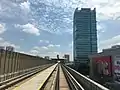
column 47, row 57
column 115, row 46
column 2, row 47
column 62, row 60
column 84, row 35
column 67, row 57
column 10, row 48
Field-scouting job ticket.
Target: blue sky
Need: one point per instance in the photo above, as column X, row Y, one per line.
column 44, row 27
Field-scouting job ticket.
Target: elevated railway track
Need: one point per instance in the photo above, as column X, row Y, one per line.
column 50, row 77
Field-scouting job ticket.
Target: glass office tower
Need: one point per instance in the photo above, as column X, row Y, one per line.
column 84, row 35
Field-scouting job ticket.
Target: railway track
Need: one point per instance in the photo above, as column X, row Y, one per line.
column 61, row 79
column 54, row 77
column 73, row 83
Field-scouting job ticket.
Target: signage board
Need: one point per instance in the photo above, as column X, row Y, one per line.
column 103, row 65
column 117, row 69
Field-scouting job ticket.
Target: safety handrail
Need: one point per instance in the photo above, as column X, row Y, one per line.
column 97, row 85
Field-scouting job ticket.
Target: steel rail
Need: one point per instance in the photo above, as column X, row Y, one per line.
column 73, row 83
column 86, row 82
column 53, row 87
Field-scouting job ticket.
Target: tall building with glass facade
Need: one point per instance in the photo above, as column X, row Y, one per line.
column 84, row 35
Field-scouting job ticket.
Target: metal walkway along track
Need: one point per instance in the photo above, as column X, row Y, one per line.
column 52, row 77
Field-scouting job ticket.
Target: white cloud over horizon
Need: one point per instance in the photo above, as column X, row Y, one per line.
column 101, row 28
column 52, row 45
column 71, row 45
column 109, row 42
column 44, row 41
column 106, row 9
column 29, row 28
column 5, row 43
column 44, row 49
column 2, row 28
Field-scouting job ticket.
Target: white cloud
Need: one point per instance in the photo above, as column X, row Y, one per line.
column 34, row 52
column 36, row 48
column 106, row 9
column 7, row 43
column 57, row 45
column 44, row 41
column 47, row 41
column 2, row 28
column 31, row 52
column 58, row 14
column 0, row 8
column 41, row 40
column 11, row 11
column 1, row 39
column 25, row 6
column 45, row 50
column 28, row 53
column 71, row 45
column 52, row 54
column 29, row 28
column 44, row 47
column 100, row 28
column 21, row 39
column 109, row 42
column 52, row 45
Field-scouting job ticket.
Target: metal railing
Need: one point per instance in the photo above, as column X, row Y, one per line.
column 87, row 83
column 13, row 64
column 73, row 83
column 17, row 79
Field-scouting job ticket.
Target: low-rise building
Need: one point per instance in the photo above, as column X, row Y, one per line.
column 2, row 47
column 105, row 66
column 10, row 48
column 47, row 57
column 67, row 58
